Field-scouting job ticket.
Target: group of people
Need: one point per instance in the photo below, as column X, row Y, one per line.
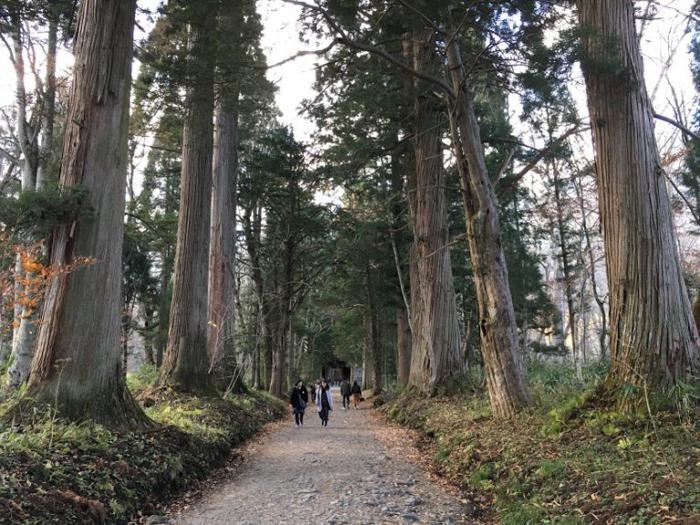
column 323, row 399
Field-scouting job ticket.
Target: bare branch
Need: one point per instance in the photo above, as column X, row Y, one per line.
column 512, row 181
column 299, row 54
column 678, row 125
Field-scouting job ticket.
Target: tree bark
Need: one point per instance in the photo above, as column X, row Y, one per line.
column 77, row 363
column 186, row 363
column 276, row 328
column 373, row 335
column 503, row 367
column 403, row 338
column 367, row 357
column 436, row 354
column 222, row 292
column 653, row 337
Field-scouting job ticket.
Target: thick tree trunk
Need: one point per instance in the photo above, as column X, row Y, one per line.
column 277, row 328
column 403, row 343
column 503, row 367
column 653, row 337
column 222, row 292
column 186, row 363
column 372, row 325
column 77, row 364
column 436, row 355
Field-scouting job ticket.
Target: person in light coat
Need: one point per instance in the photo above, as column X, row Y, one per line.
column 324, row 402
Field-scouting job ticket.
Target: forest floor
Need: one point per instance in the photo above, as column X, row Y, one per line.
column 53, row 471
column 567, row 460
column 358, row 470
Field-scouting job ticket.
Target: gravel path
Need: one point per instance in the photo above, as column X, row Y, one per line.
column 341, row 474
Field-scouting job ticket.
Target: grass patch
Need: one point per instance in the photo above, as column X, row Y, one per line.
column 564, row 461
column 53, row 471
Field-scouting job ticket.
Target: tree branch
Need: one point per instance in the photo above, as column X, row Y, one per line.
column 678, row 125
column 343, row 38
column 512, row 181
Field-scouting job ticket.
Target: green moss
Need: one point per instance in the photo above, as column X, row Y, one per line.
column 53, row 471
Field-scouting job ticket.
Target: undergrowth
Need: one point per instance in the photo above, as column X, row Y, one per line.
column 53, row 471
column 565, row 460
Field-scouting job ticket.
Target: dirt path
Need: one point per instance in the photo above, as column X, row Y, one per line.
column 337, row 475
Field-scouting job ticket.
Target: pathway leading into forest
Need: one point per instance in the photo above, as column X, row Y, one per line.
column 342, row 474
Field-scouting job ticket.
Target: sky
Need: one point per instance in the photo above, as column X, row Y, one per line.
column 662, row 38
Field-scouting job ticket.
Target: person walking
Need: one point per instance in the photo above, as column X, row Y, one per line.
column 356, row 392
column 324, row 401
column 312, row 395
column 299, row 399
column 345, row 392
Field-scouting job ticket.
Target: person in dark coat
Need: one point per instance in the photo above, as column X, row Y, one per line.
column 324, row 401
column 345, row 392
column 356, row 392
column 299, row 399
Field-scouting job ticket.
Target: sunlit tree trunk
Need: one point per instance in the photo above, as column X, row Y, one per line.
column 186, row 363
column 77, row 362
column 436, row 354
column 503, row 366
column 653, row 337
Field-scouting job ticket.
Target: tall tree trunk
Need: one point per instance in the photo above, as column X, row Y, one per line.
column 222, row 247
column 597, row 296
column 24, row 326
column 49, row 109
column 186, row 364
column 36, row 173
column 77, row 362
column 653, row 337
column 372, row 325
column 222, row 300
column 277, row 329
column 403, row 338
column 367, row 356
column 436, row 354
column 503, row 367
column 566, row 268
